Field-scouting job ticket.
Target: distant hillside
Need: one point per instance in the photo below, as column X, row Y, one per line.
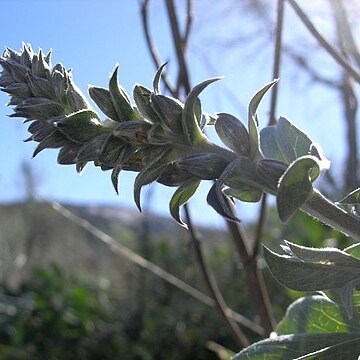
column 34, row 234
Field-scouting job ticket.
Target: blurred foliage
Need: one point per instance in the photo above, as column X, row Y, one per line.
column 76, row 300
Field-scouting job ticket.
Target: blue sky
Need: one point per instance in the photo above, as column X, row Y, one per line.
column 91, row 37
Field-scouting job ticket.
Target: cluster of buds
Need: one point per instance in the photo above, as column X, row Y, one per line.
column 159, row 137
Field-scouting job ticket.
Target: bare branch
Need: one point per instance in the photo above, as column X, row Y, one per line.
column 135, row 258
column 151, row 45
column 189, row 21
column 212, row 284
column 272, row 120
column 336, row 55
column 183, row 79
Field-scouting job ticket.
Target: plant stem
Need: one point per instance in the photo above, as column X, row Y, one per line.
column 255, row 280
column 272, row 119
column 329, row 213
column 212, row 285
column 336, row 55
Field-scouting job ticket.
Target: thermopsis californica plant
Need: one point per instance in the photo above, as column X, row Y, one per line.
column 162, row 139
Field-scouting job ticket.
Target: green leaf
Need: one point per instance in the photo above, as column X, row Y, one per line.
column 102, row 99
column 270, row 172
column 296, row 346
column 352, row 199
column 169, row 111
column 157, row 78
column 241, row 177
column 216, row 201
column 150, row 173
column 181, row 197
column 190, row 123
column 314, row 327
column 205, row 166
column 134, row 132
column 295, row 186
column 68, row 154
column 246, row 194
column 142, row 97
column 233, row 133
column 81, row 126
column 323, row 269
column 121, row 100
column 286, row 143
column 253, row 123
column 115, row 177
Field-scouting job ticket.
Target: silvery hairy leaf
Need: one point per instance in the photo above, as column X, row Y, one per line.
column 75, row 97
column 206, row 166
column 181, row 197
column 27, row 55
column 112, row 150
column 285, row 142
column 239, row 176
column 39, row 66
column 123, row 154
column 121, row 100
column 270, row 171
column 134, row 132
column 19, row 90
column 233, row 133
column 92, row 149
column 295, row 186
column 142, row 97
column 38, row 108
column 323, row 269
column 81, row 126
column 314, row 327
column 150, row 173
column 216, row 201
column 160, row 135
column 245, row 194
column 102, row 99
column 253, row 123
column 52, row 141
column 190, row 123
column 68, row 154
column 40, row 87
column 157, row 78
column 169, row 110
column 17, row 71
column 174, row 176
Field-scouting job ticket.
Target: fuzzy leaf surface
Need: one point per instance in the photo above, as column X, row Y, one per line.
column 352, row 199
column 253, row 123
column 233, row 133
column 181, row 197
column 295, row 186
column 309, row 269
column 189, row 117
column 314, row 327
column 121, row 100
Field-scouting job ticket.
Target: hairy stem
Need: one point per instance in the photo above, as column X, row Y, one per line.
column 330, row 214
column 213, row 287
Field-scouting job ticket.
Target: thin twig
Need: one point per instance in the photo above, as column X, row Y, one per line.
column 135, row 258
column 336, row 55
column 184, row 82
column 180, row 44
column 189, row 21
column 151, row 45
column 272, row 120
column 349, row 43
column 183, row 78
column 212, row 284
column 255, row 279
